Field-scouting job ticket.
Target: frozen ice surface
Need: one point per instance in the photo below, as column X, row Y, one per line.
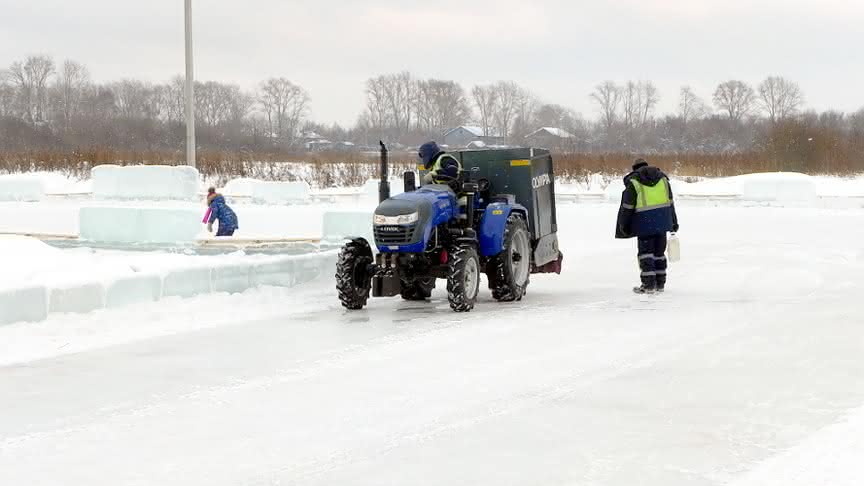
column 747, row 370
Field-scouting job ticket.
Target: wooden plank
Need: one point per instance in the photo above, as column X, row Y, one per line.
column 255, row 241
column 40, row 236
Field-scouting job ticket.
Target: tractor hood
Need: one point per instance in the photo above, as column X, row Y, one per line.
column 421, row 200
column 404, row 221
column 396, row 206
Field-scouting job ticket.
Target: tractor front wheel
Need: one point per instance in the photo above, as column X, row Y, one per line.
column 353, row 280
column 463, row 281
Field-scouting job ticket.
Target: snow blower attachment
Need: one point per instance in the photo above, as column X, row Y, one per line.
column 498, row 219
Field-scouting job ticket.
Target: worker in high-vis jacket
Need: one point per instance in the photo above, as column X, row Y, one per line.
column 442, row 167
column 648, row 212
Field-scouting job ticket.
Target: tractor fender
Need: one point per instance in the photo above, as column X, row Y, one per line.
column 492, row 225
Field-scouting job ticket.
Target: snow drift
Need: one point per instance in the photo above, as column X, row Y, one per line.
column 21, row 188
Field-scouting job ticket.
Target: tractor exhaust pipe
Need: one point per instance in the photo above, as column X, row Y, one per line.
column 384, row 184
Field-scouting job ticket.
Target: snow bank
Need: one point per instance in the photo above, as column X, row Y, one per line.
column 35, row 302
column 139, row 225
column 152, row 182
column 268, row 192
column 22, row 258
column 780, row 187
column 21, row 188
column 239, row 187
column 280, row 192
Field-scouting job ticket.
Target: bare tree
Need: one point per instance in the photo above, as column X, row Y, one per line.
column 214, row 102
column 690, row 106
column 31, row 79
column 440, row 105
column 376, row 103
column 133, row 98
column 174, row 99
column 509, row 96
column 486, row 101
column 648, row 99
column 72, row 83
column 779, row 97
column 607, row 95
column 638, row 102
column 554, row 116
column 285, row 105
column 526, row 114
column 7, row 95
column 631, row 104
column 391, row 101
column 399, row 90
column 736, row 98
column 242, row 104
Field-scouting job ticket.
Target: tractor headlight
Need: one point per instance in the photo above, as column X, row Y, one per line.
column 402, row 219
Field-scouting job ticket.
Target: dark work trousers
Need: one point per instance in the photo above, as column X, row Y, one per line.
column 652, row 261
column 230, row 231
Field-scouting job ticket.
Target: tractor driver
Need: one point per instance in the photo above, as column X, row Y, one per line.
column 443, row 168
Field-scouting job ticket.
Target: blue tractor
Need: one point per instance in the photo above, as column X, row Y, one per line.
column 498, row 219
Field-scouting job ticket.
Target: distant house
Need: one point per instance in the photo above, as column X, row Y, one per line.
column 344, row 147
column 548, row 137
column 464, row 135
column 321, row 145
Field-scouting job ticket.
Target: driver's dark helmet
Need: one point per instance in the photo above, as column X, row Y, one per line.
column 428, row 151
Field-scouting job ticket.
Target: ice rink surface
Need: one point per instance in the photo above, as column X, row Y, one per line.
column 748, row 371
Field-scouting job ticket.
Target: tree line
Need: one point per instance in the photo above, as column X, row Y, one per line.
column 46, row 105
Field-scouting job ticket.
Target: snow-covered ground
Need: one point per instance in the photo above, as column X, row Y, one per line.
column 748, row 371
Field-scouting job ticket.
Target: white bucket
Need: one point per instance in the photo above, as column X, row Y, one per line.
column 673, row 249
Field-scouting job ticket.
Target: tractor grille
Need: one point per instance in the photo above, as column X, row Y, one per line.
column 394, row 234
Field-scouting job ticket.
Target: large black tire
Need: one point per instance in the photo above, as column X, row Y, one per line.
column 463, row 280
column 419, row 289
column 509, row 271
column 353, row 281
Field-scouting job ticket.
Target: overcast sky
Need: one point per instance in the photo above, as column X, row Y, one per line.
column 558, row 49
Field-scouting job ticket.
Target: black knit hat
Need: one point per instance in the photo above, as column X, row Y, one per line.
column 639, row 164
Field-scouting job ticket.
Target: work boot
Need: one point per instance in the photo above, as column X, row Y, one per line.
column 644, row 290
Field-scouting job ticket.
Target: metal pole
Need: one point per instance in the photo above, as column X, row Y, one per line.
column 190, row 91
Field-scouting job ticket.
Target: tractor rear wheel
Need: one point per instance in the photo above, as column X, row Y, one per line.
column 419, row 289
column 353, row 280
column 509, row 271
column 463, row 281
